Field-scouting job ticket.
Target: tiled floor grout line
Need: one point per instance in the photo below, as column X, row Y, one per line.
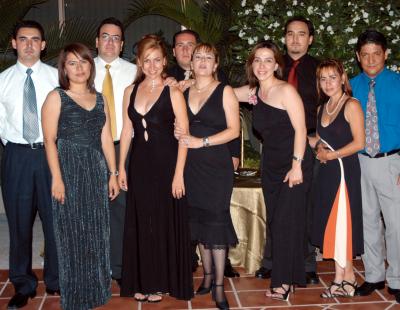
column 4, row 287
column 235, row 293
column 42, row 302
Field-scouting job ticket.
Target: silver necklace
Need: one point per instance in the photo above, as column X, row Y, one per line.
column 199, row 90
column 337, row 105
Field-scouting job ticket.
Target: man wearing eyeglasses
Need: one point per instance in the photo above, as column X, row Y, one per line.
column 113, row 75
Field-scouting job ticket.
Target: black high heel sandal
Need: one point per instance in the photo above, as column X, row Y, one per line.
column 202, row 290
column 224, row 305
column 282, row 296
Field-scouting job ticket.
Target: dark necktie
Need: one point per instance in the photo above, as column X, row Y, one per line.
column 30, row 124
column 292, row 77
column 372, row 144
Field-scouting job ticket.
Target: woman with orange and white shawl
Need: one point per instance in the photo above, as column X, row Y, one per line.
column 337, row 223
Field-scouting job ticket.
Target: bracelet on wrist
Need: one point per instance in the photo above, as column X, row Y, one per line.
column 206, row 142
column 116, row 173
column 299, row 159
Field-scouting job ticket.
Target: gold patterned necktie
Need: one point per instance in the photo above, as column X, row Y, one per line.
column 109, row 94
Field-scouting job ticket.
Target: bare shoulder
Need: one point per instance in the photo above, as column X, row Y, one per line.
column 352, row 104
column 128, row 90
column 54, row 95
column 285, row 88
column 228, row 90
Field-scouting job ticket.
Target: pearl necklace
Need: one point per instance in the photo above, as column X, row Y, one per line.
column 199, row 90
column 337, row 105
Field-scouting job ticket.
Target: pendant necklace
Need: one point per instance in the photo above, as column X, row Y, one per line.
column 199, row 90
column 337, row 105
column 153, row 85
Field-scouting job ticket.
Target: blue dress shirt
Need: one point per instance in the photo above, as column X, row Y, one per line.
column 387, row 94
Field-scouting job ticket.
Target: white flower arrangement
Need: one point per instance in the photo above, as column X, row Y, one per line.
column 337, row 25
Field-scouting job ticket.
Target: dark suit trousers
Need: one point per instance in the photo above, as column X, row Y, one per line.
column 117, row 221
column 26, row 188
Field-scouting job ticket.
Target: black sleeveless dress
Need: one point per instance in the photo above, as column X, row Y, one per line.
column 338, row 134
column 286, row 207
column 156, row 252
column 81, row 225
column 209, row 177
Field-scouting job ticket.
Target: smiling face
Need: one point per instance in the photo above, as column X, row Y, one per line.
column 372, row 58
column 297, row 39
column 109, row 43
column 153, row 63
column 331, row 82
column 77, row 69
column 184, row 46
column 204, row 62
column 29, row 45
column 264, row 64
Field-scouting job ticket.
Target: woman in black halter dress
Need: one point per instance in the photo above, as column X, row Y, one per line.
column 156, row 251
column 278, row 115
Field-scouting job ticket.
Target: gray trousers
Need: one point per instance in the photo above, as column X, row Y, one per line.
column 381, row 199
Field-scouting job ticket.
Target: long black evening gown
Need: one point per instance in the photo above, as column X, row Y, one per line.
column 81, row 224
column 209, row 177
column 156, row 252
column 338, row 234
column 286, row 207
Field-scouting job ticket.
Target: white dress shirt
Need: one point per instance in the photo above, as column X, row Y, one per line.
column 122, row 73
column 12, row 80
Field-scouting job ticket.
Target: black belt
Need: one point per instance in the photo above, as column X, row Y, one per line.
column 33, row 146
column 379, row 155
column 116, row 142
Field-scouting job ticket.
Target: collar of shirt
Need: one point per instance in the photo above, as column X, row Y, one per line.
column 35, row 68
column 377, row 77
column 114, row 64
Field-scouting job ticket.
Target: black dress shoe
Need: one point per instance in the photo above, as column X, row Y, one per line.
column 367, row 288
column 19, row 300
column 52, row 292
column 393, row 291
column 312, row 277
column 194, row 266
column 263, row 273
column 398, row 298
column 230, row 272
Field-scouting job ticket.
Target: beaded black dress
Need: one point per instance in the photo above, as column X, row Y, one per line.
column 286, row 207
column 209, row 177
column 81, row 224
column 156, row 252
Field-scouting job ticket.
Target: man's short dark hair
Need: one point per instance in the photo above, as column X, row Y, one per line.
column 28, row 24
column 371, row 36
column 112, row 21
column 302, row 19
column 188, row 31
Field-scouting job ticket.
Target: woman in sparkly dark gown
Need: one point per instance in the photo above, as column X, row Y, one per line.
column 81, row 157
column 278, row 115
column 156, row 251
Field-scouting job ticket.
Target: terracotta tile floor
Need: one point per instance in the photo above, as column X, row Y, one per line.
column 245, row 292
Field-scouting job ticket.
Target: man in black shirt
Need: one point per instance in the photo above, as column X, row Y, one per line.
column 300, row 70
column 184, row 43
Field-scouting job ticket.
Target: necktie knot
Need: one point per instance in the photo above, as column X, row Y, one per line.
column 29, row 71
column 295, row 64
column 372, row 83
column 108, row 66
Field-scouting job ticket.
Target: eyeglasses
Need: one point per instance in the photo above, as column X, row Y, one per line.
column 207, row 58
column 108, row 37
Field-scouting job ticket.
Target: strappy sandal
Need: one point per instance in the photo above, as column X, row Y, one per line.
column 281, row 296
column 348, row 292
column 328, row 293
column 140, row 297
column 158, row 298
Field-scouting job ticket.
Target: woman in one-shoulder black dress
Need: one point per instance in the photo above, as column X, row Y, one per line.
column 278, row 115
column 214, row 121
column 156, row 251
column 76, row 116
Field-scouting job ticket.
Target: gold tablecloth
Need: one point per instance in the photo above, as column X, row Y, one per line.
column 249, row 219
